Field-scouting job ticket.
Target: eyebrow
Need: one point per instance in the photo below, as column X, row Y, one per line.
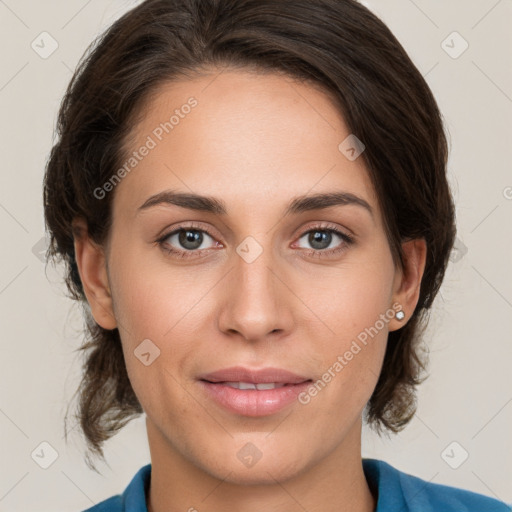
column 216, row 206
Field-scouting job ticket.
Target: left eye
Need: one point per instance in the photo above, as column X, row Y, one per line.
column 320, row 239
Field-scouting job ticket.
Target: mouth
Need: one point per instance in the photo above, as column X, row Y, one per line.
column 249, row 392
column 260, row 386
column 243, row 375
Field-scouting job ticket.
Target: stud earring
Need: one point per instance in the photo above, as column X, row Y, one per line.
column 400, row 315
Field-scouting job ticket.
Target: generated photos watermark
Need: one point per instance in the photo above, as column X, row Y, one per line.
column 343, row 360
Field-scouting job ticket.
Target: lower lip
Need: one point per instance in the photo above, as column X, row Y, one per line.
column 253, row 402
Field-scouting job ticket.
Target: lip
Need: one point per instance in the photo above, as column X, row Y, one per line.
column 251, row 402
column 263, row 375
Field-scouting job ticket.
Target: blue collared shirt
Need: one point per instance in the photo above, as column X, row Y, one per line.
column 396, row 492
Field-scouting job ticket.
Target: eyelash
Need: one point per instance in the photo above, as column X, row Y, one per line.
column 317, row 253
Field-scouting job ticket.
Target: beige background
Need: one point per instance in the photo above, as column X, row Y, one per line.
column 468, row 397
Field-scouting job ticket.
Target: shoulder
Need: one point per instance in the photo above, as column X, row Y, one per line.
column 421, row 493
column 133, row 498
column 399, row 490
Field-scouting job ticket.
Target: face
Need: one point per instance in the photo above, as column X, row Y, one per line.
column 257, row 279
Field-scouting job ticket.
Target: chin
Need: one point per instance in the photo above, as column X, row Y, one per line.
column 250, row 466
column 262, row 474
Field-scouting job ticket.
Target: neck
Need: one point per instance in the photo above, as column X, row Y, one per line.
column 335, row 483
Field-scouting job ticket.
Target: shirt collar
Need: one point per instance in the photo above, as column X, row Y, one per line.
column 134, row 496
column 384, row 485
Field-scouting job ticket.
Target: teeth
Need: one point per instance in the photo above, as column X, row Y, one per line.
column 250, row 385
column 246, row 385
column 269, row 385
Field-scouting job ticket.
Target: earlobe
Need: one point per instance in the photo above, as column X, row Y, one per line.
column 91, row 263
column 408, row 281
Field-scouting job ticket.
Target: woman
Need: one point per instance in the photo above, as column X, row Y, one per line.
column 250, row 197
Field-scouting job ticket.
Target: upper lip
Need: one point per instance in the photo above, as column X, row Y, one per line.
column 254, row 376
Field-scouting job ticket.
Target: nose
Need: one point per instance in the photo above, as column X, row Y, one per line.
column 256, row 300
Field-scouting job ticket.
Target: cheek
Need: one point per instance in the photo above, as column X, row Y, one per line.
column 355, row 308
column 151, row 298
column 157, row 315
column 353, row 297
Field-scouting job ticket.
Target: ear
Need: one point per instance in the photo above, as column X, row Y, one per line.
column 91, row 263
column 408, row 280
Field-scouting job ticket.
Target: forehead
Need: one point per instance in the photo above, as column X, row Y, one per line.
column 243, row 136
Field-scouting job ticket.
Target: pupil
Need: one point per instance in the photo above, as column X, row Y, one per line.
column 190, row 237
column 317, row 238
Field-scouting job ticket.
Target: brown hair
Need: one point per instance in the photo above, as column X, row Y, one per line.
column 337, row 44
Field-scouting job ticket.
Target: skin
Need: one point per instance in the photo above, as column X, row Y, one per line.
column 286, row 309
